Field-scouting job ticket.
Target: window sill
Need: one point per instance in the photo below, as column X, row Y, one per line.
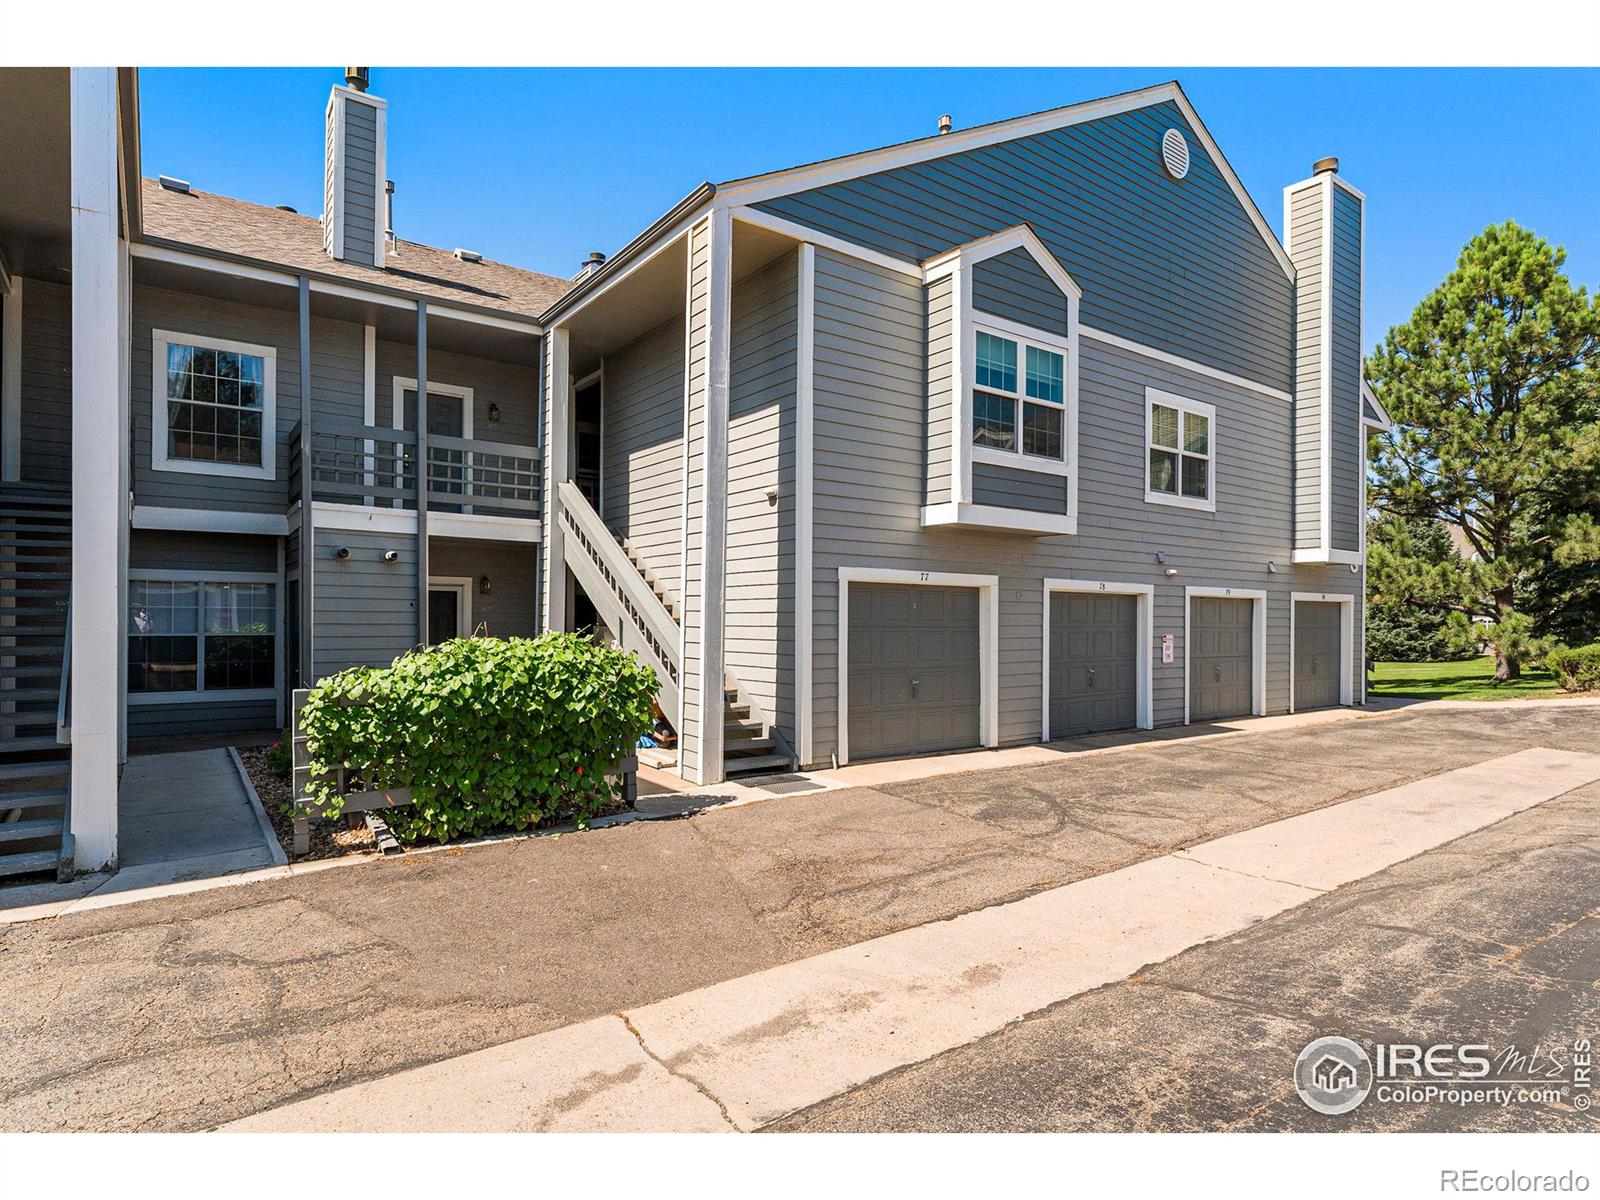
column 1189, row 502
column 997, row 519
column 216, row 695
column 227, row 470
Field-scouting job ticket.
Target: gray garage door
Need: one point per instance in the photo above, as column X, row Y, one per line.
column 1318, row 634
column 1094, row 654
column 1221, row 658
column 913, row 671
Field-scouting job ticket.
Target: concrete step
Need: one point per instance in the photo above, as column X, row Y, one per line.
column 763, row 764
column 732, row 730
column 747, row 748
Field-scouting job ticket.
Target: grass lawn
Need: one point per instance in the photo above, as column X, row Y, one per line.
column 1470, row 680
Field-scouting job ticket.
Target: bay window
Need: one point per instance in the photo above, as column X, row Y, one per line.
column 1018, row 400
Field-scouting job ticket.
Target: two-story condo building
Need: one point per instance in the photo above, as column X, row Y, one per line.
column 1010, row 433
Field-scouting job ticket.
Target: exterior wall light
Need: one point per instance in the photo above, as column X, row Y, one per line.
column 341, row 551
column 494, row 413
column 484, row 586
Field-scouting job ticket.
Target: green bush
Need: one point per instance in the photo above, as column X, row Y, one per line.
column 280, row 761
column 488, row 733
column 1576, row 669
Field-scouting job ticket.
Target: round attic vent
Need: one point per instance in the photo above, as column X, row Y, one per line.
column 1175, row 153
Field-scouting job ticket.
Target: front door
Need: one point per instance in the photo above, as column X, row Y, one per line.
column 444, row 614
column 447, row 465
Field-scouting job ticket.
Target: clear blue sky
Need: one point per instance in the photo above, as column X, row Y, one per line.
column 538, row 167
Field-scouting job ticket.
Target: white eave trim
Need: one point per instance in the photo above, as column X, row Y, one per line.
column 1368, row 396
column 995, row 517
column 828, row 241
column 1017, row 237
column 207, row 520
column 284, row 277
column 758, row 188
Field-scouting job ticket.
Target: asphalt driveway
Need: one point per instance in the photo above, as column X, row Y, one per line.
column 186, row 1012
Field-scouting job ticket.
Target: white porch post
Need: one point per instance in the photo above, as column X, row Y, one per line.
column 557, row 437
column 714, row 551
column 98, row 444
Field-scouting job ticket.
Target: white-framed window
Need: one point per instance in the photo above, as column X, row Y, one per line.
column 214, row 406
column 1180, row 451
column 1019, row 398
column 193, row 635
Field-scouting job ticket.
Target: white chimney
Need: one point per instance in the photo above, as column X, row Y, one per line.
column 353, row 201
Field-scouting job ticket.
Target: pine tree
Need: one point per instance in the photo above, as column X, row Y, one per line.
column 1494, row 387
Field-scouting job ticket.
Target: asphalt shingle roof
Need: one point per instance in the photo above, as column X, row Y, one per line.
column 290, row 240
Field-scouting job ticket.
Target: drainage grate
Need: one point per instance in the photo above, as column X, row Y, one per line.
column 782, row 785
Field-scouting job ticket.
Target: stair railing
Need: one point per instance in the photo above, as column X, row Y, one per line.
column 634, row 613
column 64, row 693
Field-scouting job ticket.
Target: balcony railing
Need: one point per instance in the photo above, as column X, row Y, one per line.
column 374, row 465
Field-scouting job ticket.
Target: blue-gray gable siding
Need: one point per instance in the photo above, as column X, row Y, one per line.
column 941, row 326
column 1013, row 285
column 1175, row 265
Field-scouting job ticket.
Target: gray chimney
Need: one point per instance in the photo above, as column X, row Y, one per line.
column 1323, row 218
column 354, row 204
column 593, row 263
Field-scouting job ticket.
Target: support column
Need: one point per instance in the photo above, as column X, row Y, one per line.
column 422, row 473
column 714, row 465
column 557, row 469
column 99, row 444
column 306, row 634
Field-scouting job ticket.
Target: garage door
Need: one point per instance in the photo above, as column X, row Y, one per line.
column 913, row 670
column 1094, row 663
column 1221, row 658
column 1318, row 657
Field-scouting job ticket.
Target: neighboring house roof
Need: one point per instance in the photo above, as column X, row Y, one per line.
column 292, row 241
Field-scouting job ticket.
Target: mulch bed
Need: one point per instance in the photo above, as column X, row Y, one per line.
column 329, row 839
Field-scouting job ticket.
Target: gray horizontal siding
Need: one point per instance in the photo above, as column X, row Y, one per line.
column 511, row 607
column 941, row 326
column 174, row 550
column 1029, row 491
column 1346, row 399
column 46, row 382
column 1305, row 249
column 758, row 605
column 1013, row 285
column 201, row 717
column 360, row 181
column 869, row 414
column 642, row 450
column 1176, row 265
column 364, row 610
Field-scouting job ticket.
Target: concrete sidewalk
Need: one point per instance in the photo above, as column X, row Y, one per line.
column 747, row 1052
column 192, row 1010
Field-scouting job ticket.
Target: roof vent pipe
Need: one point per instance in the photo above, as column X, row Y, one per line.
column 1325, row 166
column 388, row 218
column 593, row 263
column 944, row 123
column 357, row 78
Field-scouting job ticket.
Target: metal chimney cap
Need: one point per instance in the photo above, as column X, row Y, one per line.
column 358, row 78
column 596, row 258
column 1325, row 166
column 945, row 123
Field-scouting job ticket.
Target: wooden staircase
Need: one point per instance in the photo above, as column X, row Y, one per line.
column 35, row 578
column 649, row 576
column 750, row 747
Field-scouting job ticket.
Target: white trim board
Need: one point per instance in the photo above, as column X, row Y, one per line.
column 805, row 504
column 476, row 526
column 1258, row 653
column 988, row 643
column 1186, row 364
column 1347, row 644
column 462, row 585
column 828, row 241
column 1144, row 661
column 210, row 520
column 992, row 516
